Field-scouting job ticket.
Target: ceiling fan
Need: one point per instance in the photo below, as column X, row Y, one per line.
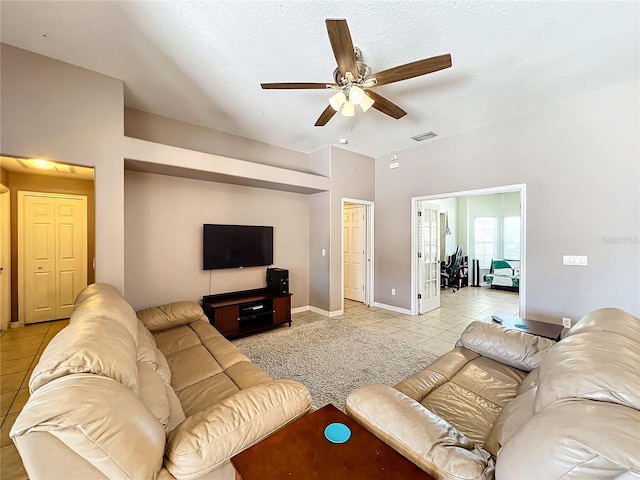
column 354, row 80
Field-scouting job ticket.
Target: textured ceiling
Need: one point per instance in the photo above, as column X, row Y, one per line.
column 202, row 62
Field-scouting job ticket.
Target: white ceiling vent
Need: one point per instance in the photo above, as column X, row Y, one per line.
column 424, row 136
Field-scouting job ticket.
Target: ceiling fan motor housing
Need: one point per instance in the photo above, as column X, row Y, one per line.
column 363, row 71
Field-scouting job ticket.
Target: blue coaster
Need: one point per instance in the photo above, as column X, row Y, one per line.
column 520, row 325
column 337, row 432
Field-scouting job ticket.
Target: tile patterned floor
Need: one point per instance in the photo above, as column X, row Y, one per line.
column 437, row 331
column 20, row 350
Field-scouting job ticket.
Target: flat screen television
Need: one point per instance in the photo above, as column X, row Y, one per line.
column 236, row 246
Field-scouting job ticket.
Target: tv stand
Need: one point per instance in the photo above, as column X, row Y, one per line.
column 240, row 313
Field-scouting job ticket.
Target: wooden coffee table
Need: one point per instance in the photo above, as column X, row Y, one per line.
column 301, row 451
column 541, row 329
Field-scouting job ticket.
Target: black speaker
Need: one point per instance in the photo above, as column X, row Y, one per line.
column 278, row 280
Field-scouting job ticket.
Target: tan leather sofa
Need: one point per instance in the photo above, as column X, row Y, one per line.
column 508, row 405
column 157, row 395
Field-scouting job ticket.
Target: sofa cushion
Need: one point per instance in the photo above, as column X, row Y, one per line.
column 574, row 440
column 517, row 349
column 153, row 394
column 472, row 400
column 511, row 418
column 465, row 389
column 206, row 440
column 205, row 367
column 94, row 345
column 100, row 420
column 611, row 361
column 176, row 413
column 148, row 352
column 418, row 434
column 170, row 315
column 105, row 299
column 216, row 388
column 608, row 320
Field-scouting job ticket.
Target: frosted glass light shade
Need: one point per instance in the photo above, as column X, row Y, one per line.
column 337, row 100
column 356, row 94
column 348, row 109
column 366, row 103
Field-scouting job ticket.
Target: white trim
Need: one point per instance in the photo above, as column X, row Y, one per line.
column 326, row 313
column 300, row 309
column 370, row 268
column 518, row 187
column 392, row 308
column 5, row 258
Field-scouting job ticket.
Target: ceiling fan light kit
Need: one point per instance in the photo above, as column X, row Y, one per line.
column 337, row 101
column 354, row 78
column 348, row 109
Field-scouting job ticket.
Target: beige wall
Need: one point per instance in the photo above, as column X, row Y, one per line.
column 54, row 110
column 352, row 176
column 163, row 236
column 579, row 161
column 156, row 128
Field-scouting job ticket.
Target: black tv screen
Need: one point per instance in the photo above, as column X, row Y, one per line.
column 236, row 246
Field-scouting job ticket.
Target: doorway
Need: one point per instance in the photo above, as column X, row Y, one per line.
column 466, row 235
column 428, row 240
column 52, row 254
column 357, row 251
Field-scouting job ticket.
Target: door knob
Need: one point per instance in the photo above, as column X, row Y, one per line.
column 40, row 268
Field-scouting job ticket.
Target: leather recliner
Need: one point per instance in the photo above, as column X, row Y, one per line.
column 507, row 405
column 157, row 395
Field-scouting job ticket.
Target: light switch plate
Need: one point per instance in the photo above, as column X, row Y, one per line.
column 577, row 260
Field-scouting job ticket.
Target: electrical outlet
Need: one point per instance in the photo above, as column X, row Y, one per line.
column 566, row 322
column 393, row 291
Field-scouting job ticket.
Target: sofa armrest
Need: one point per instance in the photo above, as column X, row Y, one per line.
column 418, row 434
column 510, row 347
column 170, row 315
column 207, row 439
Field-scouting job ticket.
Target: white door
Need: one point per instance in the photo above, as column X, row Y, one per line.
column 5, row 259
column 355, row 240
column 428, row 242
column 52, row 253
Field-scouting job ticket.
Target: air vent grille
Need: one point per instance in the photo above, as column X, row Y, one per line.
column 424, row 136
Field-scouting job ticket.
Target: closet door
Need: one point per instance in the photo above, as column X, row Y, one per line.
column 52, row 240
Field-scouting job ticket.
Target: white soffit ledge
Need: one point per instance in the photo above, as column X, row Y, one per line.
column 151, row 157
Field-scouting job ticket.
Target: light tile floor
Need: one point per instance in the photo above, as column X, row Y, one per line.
column 20, row 350
column 437, row 331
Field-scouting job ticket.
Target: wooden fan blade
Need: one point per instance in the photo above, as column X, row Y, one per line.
column 302, row 85
column 411, row 70
column 386, row 106
column 342, row 46
column 327, row 115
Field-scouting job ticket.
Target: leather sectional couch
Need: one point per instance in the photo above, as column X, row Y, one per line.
column 157, row 395
column 507, row 405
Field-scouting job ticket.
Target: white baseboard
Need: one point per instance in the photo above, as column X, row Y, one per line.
column 326, row 313
column 300, row 309
column 393, row 308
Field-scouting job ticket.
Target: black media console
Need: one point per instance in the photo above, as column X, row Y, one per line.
column 239, row 313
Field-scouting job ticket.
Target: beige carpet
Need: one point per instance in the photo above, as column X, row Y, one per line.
column 333, row 359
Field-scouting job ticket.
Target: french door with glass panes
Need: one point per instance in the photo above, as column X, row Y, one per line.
column 428, row 232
